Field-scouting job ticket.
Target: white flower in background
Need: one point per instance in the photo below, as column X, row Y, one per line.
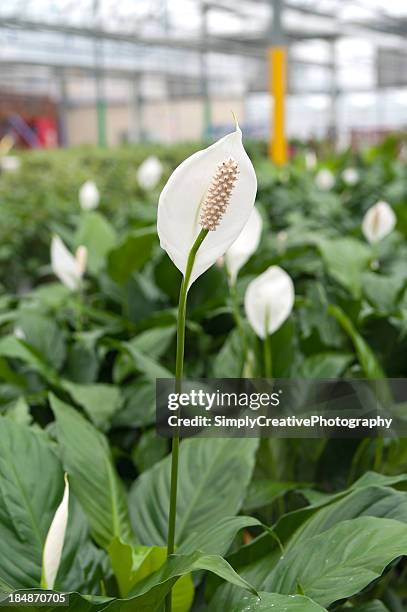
column 214, row 189
column 325, row 179
column 10, row 163
column 89, row 196
column 149, row 172
column 378, row 222
column 269, row 301
column 350, row 176
column 67, row 267
column 310, row 160
column 282, row 237
column 244, row 246
column 51, row 556
column 19, row 333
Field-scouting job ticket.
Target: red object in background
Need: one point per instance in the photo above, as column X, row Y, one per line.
column 46, row 130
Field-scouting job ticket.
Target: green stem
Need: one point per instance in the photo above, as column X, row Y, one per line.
column 268, row 359
column 179, row 368
column 267, row 352
column 238, row 318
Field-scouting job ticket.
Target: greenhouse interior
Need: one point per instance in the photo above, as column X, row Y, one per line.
column 203, row 305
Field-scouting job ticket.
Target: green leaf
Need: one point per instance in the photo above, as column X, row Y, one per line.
column 345, row 260
column 139, row 404
column 44, row 335
column 99, row 237
column 383, row 291
column 325, row 365
column 268, row 601
column 133, row 564
column 31, row 487
column 371, row 606
column 341, row 561
column 229, row 361
column 100, row 401
column 12, row 347
column 150, row 593
column 131, row 254
column 264, row 492
column 215, row 474
column 367, row 358
column 217, row 539
column 87, row 459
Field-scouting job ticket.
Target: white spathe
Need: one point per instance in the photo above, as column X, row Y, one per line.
column 89, row 195
column 67, row 267
column 269, row 300
column 350, row 176
column 149, row 172
column 51, row 557
column 244, row 246
column 181, row 199
column 310, row 159
column 10, row 163
column 378, row 222
column 325, row 179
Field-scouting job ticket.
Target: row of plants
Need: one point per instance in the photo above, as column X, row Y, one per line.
column 88, row 316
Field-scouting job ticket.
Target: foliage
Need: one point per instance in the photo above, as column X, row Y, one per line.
column 285, row 524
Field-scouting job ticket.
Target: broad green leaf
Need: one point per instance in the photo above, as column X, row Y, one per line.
column 87, row 459
column 150, row 449
column 217, row 539
column 345, row 260
column 215, row 474
column 131, row 254
column 139, row 404
column 150, row 593
column 263, row 492
column 229, row 361
column 12, row 347
column 145, row 364
column 100, row 401
column 133, row 564
column 341, row 561
column 383, row 291
column 367, row 358
column 31, row 487
column 266, row 602
column 44, row 335
column 371, row 606
column 325, row 365
column 99, row 237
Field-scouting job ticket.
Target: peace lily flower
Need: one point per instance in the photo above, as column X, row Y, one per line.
column 350, row 176
column 378, row 222
column 67, row 267
column 149, row 172
column 213, row 190
column 89, row 196
column 10, row 163
column 244, row 246
column 51, row 556
column 310, row 160
column 269, row 301
column 325, row 179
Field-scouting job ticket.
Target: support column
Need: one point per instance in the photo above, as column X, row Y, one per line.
column 277, row 75
column 63, row 108
column 100, row 90
column 207, row 113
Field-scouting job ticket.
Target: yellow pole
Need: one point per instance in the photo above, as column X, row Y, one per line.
column 277, row 62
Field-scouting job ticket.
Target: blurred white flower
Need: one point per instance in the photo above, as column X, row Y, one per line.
column 325, row 179
column 51, row 557
column 310, row 160
column 282, row 236
column 10, row 163
column 214, row 189
column 19, row 333
column 350, row 176
column 67, row 267
column 269, row 301
column 244, row 246
column 149, row 172
column 378, row 222
column 89, row 195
